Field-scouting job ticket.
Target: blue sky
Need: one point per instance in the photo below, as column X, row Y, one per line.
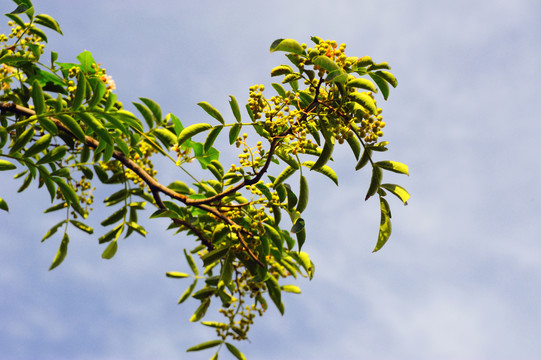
column 460, row 277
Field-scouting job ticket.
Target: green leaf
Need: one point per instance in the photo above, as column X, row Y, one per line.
column 128, row 118
column 192, row 130
column 110, row 250
column 48, row 125
column 362, row 84
column 326, row 63
column 275, row 293
column 98, row 91
column 167, row 137
column 154, row 108
column 211, row 137
column 291, row 198
column 116, row 197
column 211, row 111
column 325, row 170
column 397, row 190
column 62, row 172
column 37, row 98
column 291, row 77
column 234, row 133
column 382, row 65
column 187, row 292
column 204, row 293
column 384, row 226
column 298, row 226
column 23, row 7
column 22, row 140
column 6, row 165
column 4, row 205
column 3, row 136
column 355, row 145
column 147, row 114
column 205, row 345
column 281, row 70
column 55, row 154
column 176, row 274
column 180, row 187
column 303, row 195
column 363, row 62
column 48, row 21
column 265, row 190
column 236, row 352
column 325, row 155
column 86, row 60
column 382, row 84
column 113, row 234
column 364, row 159
column 138, row 228
column 177, row 125
column 387, row 76
column 115, row 217
column 279, row 89
column 287, row 159
column 190, row 261
column 365, row 100
column 79, row 225
column 53, row 230
column 393, row 166
column 96, row 126
column 41, row 144
column 288, row 45
column 214, row 255
column 381, row 146
column 235, row 107
column 26, row 183
column 16, row 18
column 274, row 236
column 61, row 253
column 38, row 32
column 200, row 313
column 375, row 182
column 72, row 126
column 80, row 91
column 287, row 172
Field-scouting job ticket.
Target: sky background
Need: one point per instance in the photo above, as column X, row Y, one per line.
column 460, row 277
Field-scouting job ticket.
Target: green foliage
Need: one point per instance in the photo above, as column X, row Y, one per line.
column 63, row 128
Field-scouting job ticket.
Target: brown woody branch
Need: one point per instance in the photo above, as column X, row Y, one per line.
column 154, row 185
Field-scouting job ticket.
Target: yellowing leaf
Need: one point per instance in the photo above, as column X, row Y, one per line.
column 393, row 166
column 387, row 76
column 365, row 100
column 6, row 165
column 397, row 190
column 281, row 70
column 288, row 45
column 236, row 352
column 291, row 289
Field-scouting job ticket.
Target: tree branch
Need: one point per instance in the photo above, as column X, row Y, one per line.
column 155, row 186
